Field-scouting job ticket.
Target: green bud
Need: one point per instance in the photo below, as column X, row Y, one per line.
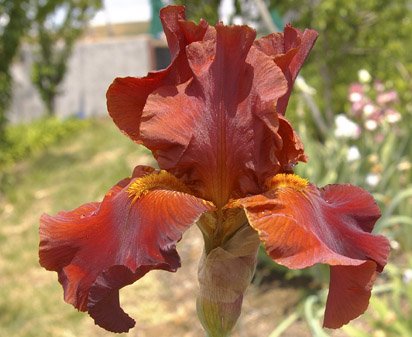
column 224, row 275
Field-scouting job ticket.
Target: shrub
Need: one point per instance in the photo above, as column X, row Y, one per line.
column 23, row 140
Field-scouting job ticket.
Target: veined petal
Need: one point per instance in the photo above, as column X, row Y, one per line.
column 99, row 248
column 289, row 50
column 218, row 98
column 219, row 131
column 127, row 96
column 301, row 225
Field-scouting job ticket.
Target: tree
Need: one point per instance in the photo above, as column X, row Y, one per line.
column 354, row 35
column 58, row 24
column 14, row 23
column 198, row 9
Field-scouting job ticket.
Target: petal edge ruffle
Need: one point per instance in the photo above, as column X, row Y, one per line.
column 301, row 225
column 99, row 248
column 126, row 97
column 289, row 50
column 225, row 113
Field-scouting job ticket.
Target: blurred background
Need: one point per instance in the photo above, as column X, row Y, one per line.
column 352, row 107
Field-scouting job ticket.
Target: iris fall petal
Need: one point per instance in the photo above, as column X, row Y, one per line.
column 301, row 225
column 99, row 248
column 349, row 293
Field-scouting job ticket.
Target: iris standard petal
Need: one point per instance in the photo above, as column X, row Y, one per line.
column 219, row 131
column 99, row 248
column 289, row 50
column 301, row 225
column 127, row 96
column 291, row 151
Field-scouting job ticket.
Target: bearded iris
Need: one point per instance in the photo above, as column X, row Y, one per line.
column 214, row 121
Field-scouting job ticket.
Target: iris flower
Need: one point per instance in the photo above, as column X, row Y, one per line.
column 214, row 121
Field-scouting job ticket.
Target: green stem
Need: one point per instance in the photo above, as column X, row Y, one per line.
column 217, row 335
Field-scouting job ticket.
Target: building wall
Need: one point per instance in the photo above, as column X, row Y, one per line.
column 92, row 67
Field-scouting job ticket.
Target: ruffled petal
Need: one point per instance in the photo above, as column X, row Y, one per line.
column 289, row 51
column 99, row 248
column 219, row 131
column 127, row 96
column 301, row 225
column 291, row 151
column 218, row 98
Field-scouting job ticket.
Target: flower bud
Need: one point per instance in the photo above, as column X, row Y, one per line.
column 224, row 274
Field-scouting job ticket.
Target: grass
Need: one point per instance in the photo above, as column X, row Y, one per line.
column 77, row 170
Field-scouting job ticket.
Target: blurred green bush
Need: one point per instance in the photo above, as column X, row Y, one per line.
column 23, row 140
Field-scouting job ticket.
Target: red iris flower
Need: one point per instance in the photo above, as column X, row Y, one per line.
column 214, row 121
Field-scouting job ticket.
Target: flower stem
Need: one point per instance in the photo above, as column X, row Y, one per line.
column 217, row 335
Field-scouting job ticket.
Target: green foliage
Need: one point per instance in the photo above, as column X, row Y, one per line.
column 13, row 25
column 370, row 34
column 26, row 139
column 201, row 9
column 54, row 33
column 5, row 95
column 58, row 24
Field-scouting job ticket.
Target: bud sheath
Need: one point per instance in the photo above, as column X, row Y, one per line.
column 224, row 274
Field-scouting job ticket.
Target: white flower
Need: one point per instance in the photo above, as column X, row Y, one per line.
column 393, row 117
column 345, row 128
column 371, row 124
column 353, row 154
column 364, row 76
column 4, row 19
column 368, row 109
column 407, row 276
column 372, row 179
column 394, row 244
column 355, row 97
